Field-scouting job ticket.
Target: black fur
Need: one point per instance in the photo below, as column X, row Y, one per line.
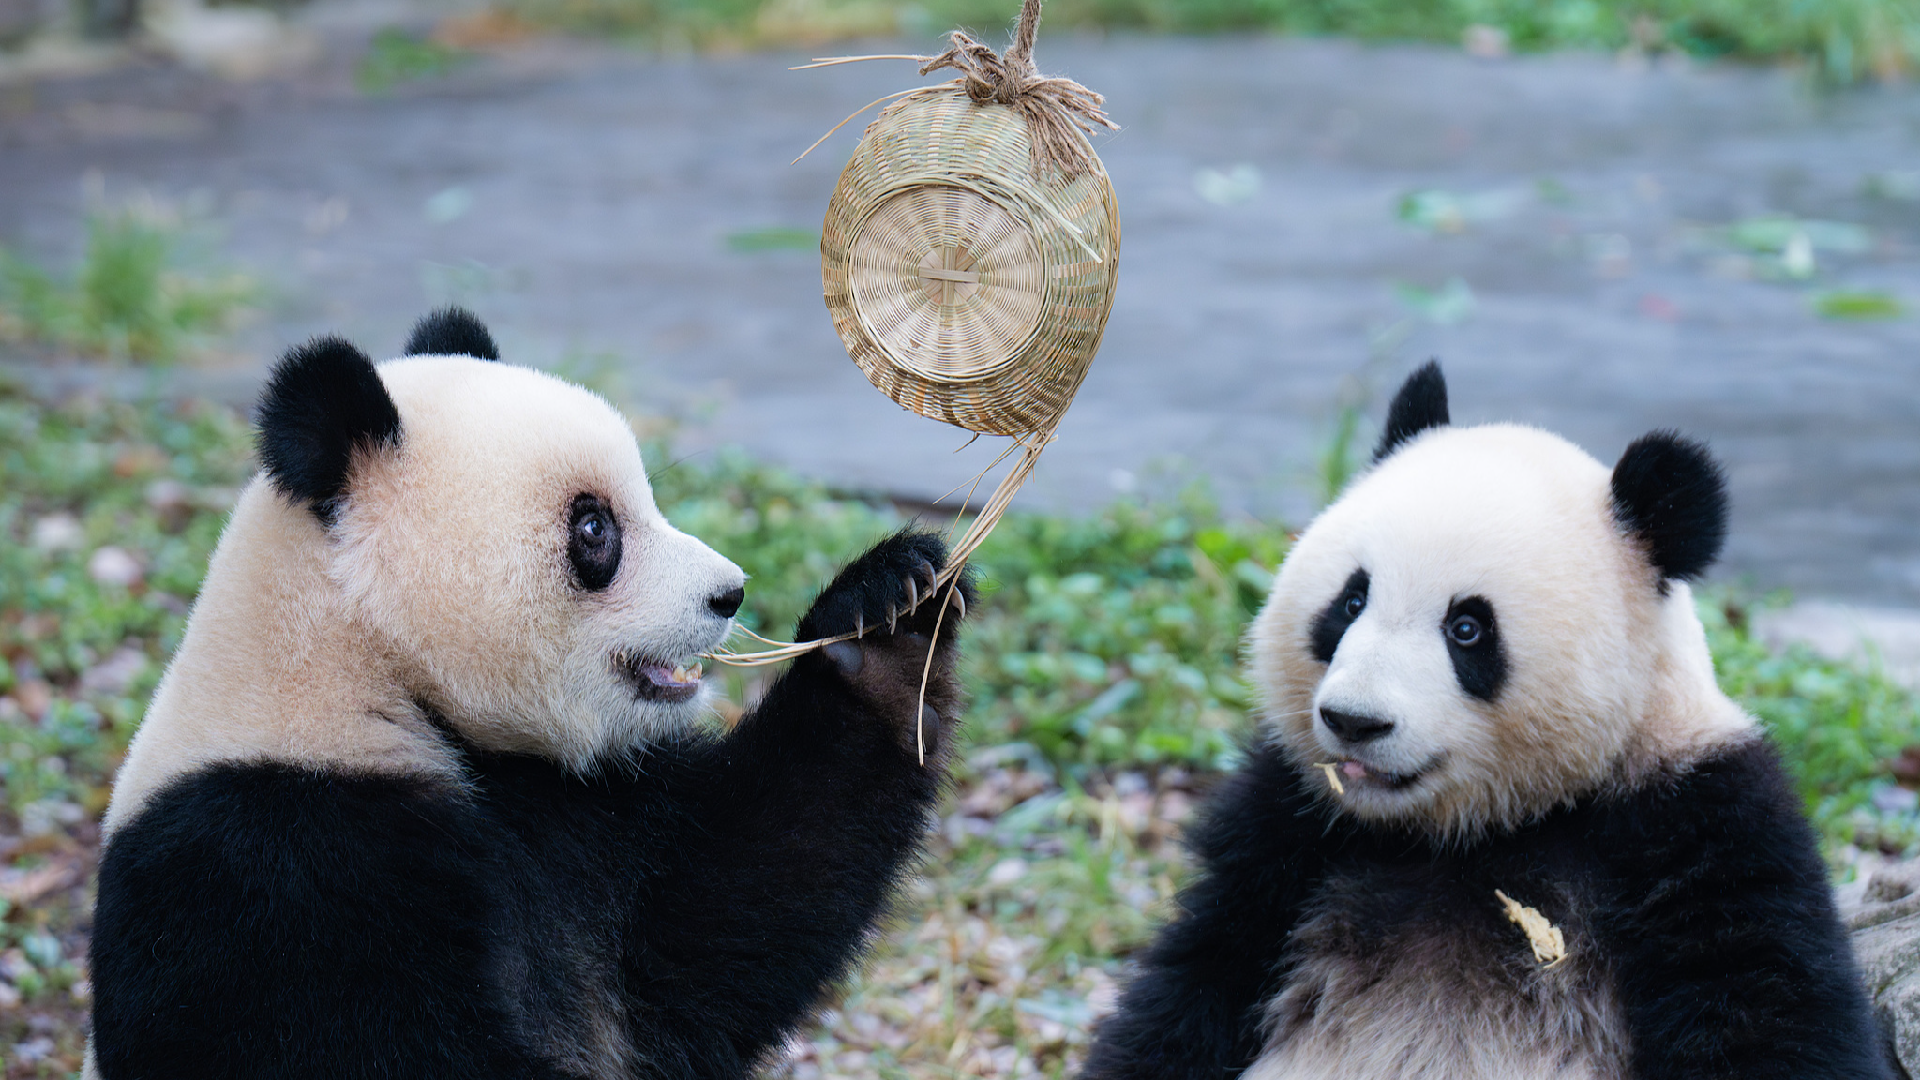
column 1331, row 624
column 1480, row 668
column 1670, row 494
column 1420, row 403
column 260, row 920
column 451, row 331
column 1703, row 896
column 323, row 403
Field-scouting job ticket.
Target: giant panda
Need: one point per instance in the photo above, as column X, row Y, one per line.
column 1500, row 822
column 422, row 793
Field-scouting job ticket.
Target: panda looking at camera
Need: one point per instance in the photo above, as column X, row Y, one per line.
column 1501, row 822
column 422, row 794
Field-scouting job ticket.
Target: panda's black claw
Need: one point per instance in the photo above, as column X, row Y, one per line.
column 890, row 588
column 958, row 598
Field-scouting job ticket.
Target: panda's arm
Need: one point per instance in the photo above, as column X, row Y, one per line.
column 263, row 921
column 1193, row 1007
column 1730, row 959
column 799, row 823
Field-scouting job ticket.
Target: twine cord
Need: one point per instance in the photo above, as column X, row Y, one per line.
column 970, row 542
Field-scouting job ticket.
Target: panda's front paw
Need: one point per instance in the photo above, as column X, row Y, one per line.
column 890, row 591
column 900, row 661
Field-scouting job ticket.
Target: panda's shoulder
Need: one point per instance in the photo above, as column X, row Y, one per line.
column 1732, row 812
column 311, row 821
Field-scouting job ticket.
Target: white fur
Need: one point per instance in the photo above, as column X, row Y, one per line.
column 444, row 582
column 1439, row 1009
column 1608, row 676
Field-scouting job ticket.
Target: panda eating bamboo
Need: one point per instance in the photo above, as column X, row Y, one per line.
column 1501, row 822
column 421, row 795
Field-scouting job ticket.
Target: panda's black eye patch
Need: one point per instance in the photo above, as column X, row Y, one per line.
column 593, row 542
column 1473, row 644
column 1331, row 624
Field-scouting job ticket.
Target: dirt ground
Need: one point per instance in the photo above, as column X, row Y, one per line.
column 599, row 207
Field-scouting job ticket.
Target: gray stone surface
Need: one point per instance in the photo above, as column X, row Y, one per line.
column 581, row 199
column 1883, row 910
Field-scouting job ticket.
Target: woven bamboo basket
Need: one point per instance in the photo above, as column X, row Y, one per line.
column 970, row 278
column 968, row 258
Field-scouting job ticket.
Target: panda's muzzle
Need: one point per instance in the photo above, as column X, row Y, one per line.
column 655, row 681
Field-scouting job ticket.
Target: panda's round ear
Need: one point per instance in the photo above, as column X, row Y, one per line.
column 1421, row 403
column 1670, row 495
column 451, row 331
column 323, row 403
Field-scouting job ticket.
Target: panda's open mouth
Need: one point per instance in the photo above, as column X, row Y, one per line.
column 1354, row 771
column 656, row 681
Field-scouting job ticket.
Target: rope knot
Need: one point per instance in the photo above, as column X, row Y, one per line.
column 1053, row 107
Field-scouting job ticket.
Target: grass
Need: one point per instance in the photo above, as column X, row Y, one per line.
column 1858, row 305
column 395, row 57
column 1844, row 40
column 1106, row 697
column 136, row 293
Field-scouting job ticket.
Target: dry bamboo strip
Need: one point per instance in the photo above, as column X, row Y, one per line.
column 849, row 120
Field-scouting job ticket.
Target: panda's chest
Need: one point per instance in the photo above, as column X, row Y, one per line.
column 1397, row 972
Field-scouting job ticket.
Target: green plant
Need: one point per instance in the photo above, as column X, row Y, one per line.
column 111, row 514
column 395, row 56
column 1838, row 726
column 1858, row 304
column 130, row 297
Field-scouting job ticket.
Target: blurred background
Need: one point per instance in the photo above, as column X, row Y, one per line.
column 1602, row 216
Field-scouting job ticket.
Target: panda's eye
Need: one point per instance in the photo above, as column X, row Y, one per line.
column 1354, row 604
column 1464, row 630
column 593, row 542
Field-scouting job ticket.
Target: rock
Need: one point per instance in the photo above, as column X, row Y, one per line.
column 1885, row 919
column 114, row 566
column 237, row 42
column 111, row 677
column 58, row 532
column 172, row 502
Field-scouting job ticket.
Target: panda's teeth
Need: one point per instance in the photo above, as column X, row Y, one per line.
column 698, row 671
column 679, row 673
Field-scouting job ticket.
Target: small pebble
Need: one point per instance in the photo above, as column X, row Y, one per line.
column 1007, row 871
column 1895, row 800
column 114, row 566
column 58, row 532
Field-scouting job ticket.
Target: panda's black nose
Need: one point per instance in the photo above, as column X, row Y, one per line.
column 726, row 603
column 1352, row 728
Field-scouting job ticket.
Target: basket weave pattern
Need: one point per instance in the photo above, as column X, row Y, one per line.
column 969, row 286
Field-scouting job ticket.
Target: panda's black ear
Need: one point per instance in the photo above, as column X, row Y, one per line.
column 1421, row 403
column 1670, row 494
column 324, row 402
column 451, row 331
